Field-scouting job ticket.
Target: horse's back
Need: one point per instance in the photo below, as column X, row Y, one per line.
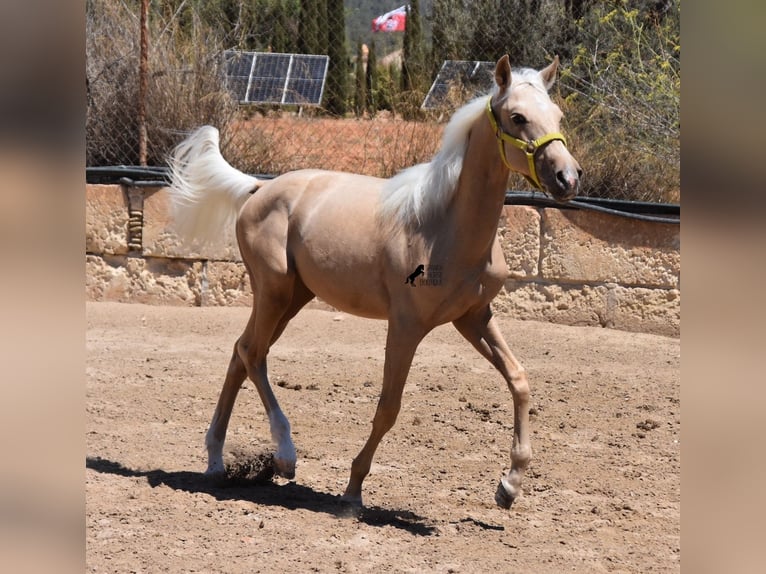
column 303, row 191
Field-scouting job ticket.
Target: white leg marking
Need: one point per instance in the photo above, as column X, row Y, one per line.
column 214, row 451
column 285, row 457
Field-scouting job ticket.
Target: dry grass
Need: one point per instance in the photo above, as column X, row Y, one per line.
column 379, row 147
column 277, row 143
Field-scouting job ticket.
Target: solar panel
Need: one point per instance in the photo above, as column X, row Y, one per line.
column 238, row 67
column 267, row 78
column 459, row 81
column 306, row 82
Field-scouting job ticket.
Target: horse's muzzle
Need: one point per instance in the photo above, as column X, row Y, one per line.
column 567, row 184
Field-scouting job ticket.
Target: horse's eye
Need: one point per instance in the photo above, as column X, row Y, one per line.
column 518, row 119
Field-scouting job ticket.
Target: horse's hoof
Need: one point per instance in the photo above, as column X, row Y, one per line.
column 215, row 469
column 352, row 500
column 214, row 476
column 352, row 495
column 213, row 473
column 505, row 494
column 284, row 468
column 350, row 507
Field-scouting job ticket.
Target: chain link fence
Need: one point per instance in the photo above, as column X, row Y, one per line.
column 370, row 119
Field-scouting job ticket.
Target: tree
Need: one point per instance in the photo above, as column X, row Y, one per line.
column 371, row 81
column 338, row 69
column 450, row 24
column 489, row 36
column 312, row 30
column 276, row 25
column 414, row 68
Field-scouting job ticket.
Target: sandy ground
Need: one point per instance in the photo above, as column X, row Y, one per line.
column 602, row 493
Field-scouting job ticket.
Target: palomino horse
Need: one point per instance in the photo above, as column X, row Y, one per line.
column 359, row 242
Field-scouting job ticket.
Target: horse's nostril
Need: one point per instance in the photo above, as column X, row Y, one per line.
column 568, row 179
column 579, row 173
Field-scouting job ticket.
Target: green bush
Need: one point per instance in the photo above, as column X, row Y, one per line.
column 621, row 97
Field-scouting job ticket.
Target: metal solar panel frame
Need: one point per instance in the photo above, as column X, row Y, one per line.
column 283, row 87
column 447, row 76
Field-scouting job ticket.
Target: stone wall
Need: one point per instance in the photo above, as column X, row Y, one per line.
column 570, row 267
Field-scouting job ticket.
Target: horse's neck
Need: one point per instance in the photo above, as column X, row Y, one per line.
column 480, row 195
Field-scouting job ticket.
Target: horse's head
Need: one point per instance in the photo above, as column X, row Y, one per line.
column 526, row 123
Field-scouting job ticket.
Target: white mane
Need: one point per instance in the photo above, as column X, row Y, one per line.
column 420, row 192
column 417, row 193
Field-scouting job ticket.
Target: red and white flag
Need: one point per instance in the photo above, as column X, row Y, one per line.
column 393, row 21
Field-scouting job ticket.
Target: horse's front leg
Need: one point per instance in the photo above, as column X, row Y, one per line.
column 401, row 343
column 481, row 330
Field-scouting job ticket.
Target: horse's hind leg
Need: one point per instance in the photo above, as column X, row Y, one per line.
column 278, row 301
column 248, row 359
column 481, row 330
column 216, row 434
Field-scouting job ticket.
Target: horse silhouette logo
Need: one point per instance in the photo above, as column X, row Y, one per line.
column 420, row 270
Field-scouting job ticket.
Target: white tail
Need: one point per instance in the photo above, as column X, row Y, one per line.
column 206, row 192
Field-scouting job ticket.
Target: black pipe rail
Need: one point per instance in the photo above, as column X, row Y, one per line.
column 139, row 176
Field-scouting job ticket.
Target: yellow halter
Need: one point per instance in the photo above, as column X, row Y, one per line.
column 529, row 147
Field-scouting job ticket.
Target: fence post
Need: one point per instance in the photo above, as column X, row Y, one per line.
column 143, row 72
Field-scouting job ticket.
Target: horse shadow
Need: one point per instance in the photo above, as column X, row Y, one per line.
column 290, row 496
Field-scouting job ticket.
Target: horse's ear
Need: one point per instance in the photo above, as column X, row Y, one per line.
column 549, row 73
column 503, row 73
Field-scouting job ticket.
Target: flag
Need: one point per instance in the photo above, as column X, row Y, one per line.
column 392, row 21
